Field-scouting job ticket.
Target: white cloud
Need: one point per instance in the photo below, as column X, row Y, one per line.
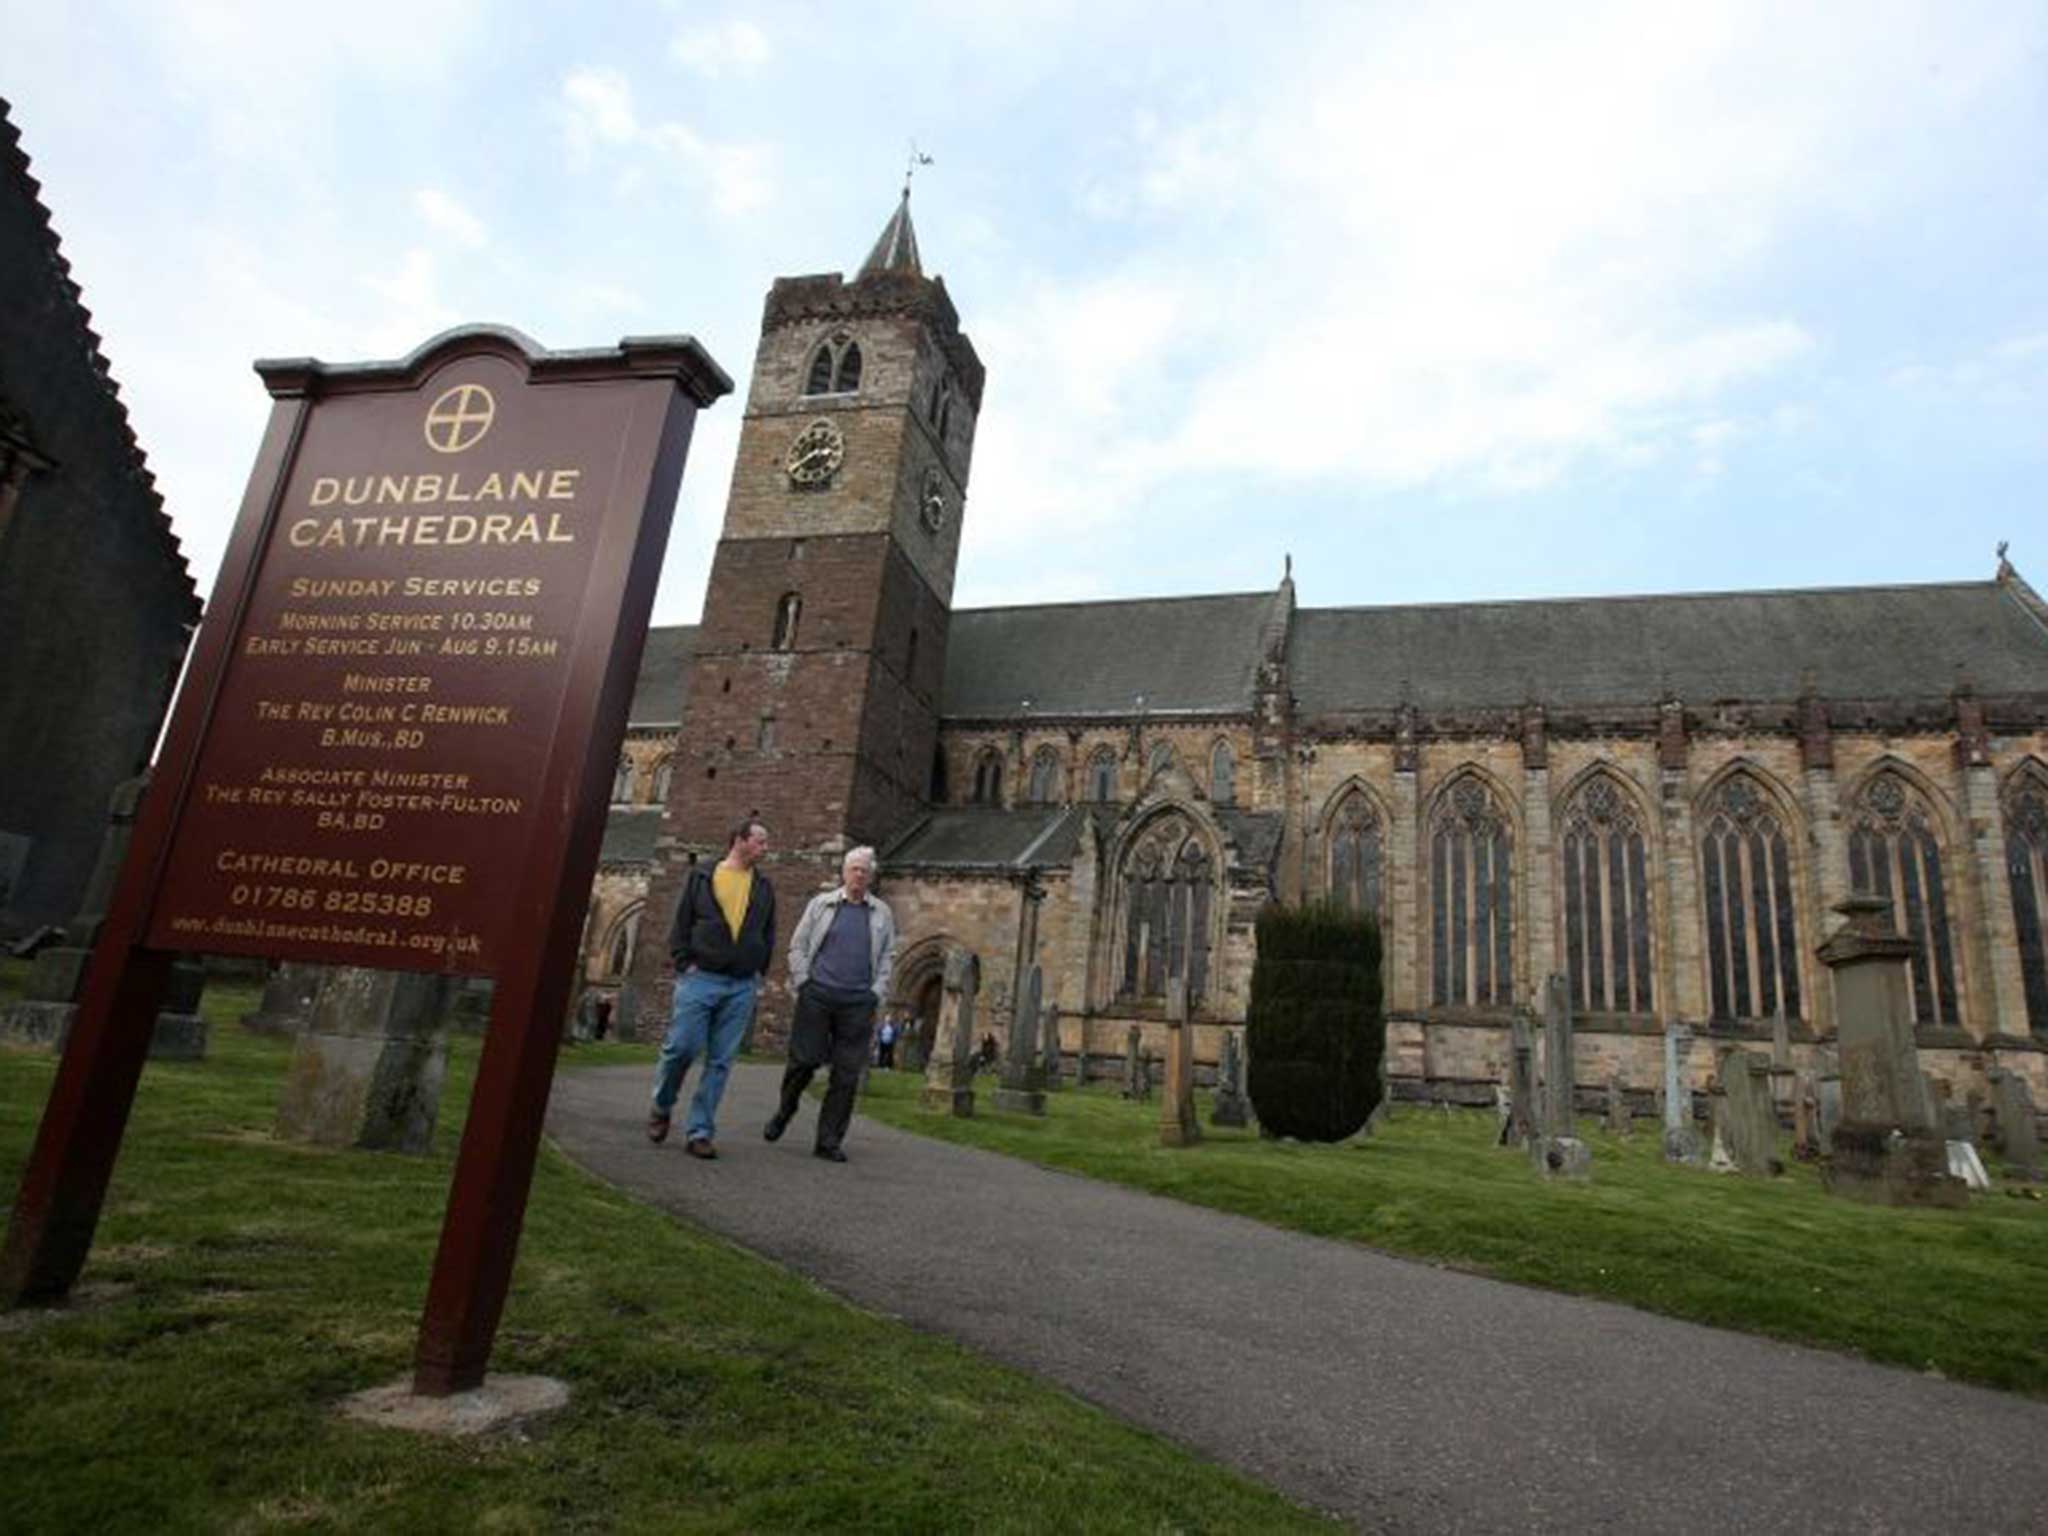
column 598, row 110
column 737, row 48
column 445, row 215
column 598, row 105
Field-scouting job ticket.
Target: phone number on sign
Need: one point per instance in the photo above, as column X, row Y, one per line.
column 303, row 898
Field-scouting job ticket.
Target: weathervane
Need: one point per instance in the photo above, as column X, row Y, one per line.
column 917, row 158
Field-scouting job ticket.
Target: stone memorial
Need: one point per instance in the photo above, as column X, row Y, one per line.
column 1827, row 1101
column 1556, row 1152
column 287, row 1001
column 1805, row 1118
column 367, row 1069
column 56, row 979
column 949, row 1079
column 1137, row 1080
column 1518, row 1126
column 1230, row 1108
column 1049, row 1045
column 1619, row 1121
column 1021, row 1089
column 1783, row 1088
column 1681, row 1136
column 1887, row 1149
column 1178, row 1126
column 2017, row 1124
column 1745, row 1116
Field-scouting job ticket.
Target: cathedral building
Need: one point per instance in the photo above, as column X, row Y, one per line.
column 1659, row 798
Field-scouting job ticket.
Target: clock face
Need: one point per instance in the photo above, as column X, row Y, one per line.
column 815, row 456
column 931, row 502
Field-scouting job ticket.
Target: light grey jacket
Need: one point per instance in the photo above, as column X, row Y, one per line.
column 816, row 922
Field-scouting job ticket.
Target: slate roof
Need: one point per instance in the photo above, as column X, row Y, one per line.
column 1857, row 642
column 664, row 680
column 895, row 249
column 982, row 835
column 629, row 834
column 1181, row 653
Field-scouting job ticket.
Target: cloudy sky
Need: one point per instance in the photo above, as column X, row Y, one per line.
column 1456, row 301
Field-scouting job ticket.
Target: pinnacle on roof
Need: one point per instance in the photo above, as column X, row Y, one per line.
column 896, row 250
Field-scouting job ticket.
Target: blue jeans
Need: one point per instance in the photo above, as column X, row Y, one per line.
column 712, row 1014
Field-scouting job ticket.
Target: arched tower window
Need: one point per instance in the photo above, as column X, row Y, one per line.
column 2026, row 864
column 1606, row 900
column 846, row 377
column 664, row 775
column 1357, row 857
column 988, row 777
column 819, row 380
column 1471, row 898
column 1158, row 760
column 1102, row 776
column 1223, row 774
column 1168, row 894
column 622, row 783
column 1045, row 777
column 1752, row 917
column 787, row 613
column 625, row 935
column 1894, row 853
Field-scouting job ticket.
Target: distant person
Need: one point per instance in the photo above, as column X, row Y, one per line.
column 839, row 962
column 885, row 1038
column 722, row 936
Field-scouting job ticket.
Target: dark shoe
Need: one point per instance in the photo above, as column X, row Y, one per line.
column 700, row 1146
column 657, row 1128
column 777, row 1124
column 830, row 1154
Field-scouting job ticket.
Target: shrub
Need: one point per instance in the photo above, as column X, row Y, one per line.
column 1316, row 1028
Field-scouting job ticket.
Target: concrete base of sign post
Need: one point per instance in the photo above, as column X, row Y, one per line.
column 501, row 1404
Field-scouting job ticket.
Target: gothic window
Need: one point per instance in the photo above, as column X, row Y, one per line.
column 846, row 378
column 1893, row 853
column 1357, row 856
column 2026, row 862
column 1606, row 901
column 664, row 774
column 988, row 777
column 622, row 783
column 1472, row 899
column 625, row 933
column 1223, row 774
column 1102, row 776
column 1045, row 777
column 1752, row 920
column 1168, row 889
column 819, row 381
column 1158, row 760
column 787, row 612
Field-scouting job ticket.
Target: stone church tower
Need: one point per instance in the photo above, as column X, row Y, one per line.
column 813, row 688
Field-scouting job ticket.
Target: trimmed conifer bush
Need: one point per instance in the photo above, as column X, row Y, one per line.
column 1316, row 1028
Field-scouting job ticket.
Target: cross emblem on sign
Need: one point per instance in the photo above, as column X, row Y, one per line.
column 460, row 418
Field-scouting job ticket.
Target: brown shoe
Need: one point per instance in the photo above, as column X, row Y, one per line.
column 700, row 1146
column 657, row 1128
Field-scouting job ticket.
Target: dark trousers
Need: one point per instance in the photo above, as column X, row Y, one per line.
column 827, row 1030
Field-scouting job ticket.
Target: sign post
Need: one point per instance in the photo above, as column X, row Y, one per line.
column 394, row 748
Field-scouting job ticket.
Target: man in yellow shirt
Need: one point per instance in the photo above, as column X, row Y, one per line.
column 721, row 939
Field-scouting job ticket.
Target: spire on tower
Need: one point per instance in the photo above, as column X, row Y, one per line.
column 896, row 250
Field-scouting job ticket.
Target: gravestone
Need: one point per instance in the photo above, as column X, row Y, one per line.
column 56, row 980
column 1049, row 1042
column 1383, row 1106
column 1178, row 1126
column 1681, row 1136
column 1229, row 1108
column 1518, row 1126
column 1827, row 1099
column 949, row 1079
column 287, row 1000
column 1557, row 1153
column 367, row 1069
column 2018, row 1134
column 1783, row 1088
column 1619, row 1120
column 1887, row 1149
column 1805, row 1118
column 1021, row 1090
column 1745, row 1117
column 1137, row 1080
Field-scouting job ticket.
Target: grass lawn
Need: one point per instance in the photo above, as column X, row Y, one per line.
column 1964, row 1293
column 246, row 1285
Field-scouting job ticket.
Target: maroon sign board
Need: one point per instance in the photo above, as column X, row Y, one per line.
column 394, row 747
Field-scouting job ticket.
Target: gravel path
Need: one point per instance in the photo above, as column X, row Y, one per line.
column 1400, row 1396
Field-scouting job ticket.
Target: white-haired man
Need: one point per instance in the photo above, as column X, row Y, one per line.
column 839, row 962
